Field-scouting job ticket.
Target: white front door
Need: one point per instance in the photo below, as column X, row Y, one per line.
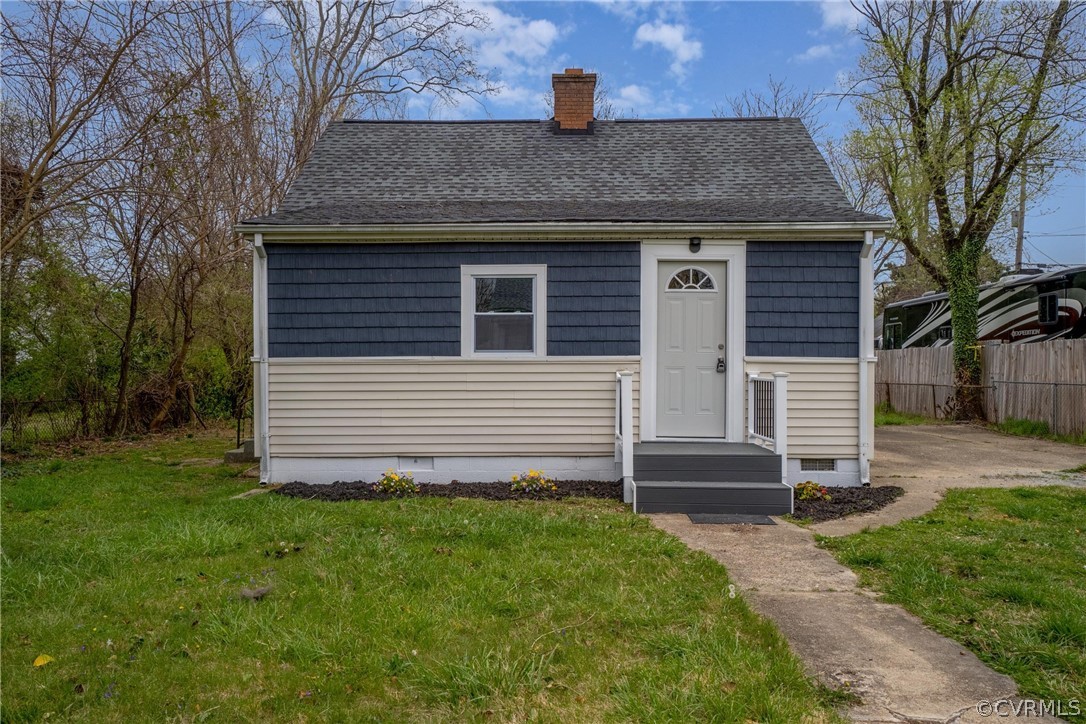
column 691, row 349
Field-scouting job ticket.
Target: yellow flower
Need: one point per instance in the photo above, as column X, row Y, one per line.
column 516, row 478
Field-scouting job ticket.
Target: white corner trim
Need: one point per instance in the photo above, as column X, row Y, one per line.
column 467, row 308
column 734, row 254
column 866, row 417
column 261, row 425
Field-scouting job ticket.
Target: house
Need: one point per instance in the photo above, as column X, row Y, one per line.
column 596, row 298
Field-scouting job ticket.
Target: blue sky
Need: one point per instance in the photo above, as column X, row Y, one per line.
column 671, row 59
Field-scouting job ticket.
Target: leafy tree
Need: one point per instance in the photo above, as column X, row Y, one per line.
column 957, row 98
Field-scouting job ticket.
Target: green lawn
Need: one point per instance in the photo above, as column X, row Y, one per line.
column 1032, row 428
column 125, row 566
column 1001, row 571
column 886, row 415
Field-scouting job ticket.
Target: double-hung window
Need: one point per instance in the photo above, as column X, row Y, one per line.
column 503, row 310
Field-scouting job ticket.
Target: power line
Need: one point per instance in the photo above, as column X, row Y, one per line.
column 1046, row 256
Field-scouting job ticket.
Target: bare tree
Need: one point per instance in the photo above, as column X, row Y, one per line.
column 64, row 65
column 130, row 217
column 147, row 130
column 364, row 57
column 778, row 100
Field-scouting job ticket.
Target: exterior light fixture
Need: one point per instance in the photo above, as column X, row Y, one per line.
column 695, row 244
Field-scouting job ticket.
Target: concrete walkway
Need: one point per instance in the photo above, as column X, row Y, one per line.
column 901, row 670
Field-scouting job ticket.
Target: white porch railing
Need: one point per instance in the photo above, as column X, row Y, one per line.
column 624, row 441
column 767, row 414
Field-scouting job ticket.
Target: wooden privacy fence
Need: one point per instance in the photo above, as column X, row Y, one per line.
column 1039, row 381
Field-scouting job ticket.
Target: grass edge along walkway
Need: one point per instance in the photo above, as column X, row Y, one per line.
column 1002, row 571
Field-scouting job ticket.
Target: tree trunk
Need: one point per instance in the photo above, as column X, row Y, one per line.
column 174, row 375
column 962, row 274
column 120, row 409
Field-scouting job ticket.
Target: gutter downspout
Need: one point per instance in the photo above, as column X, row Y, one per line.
column 260, row 356
column 867, row 357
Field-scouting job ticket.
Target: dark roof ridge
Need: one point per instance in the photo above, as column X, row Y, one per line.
column 426, row 121
column 712, row 119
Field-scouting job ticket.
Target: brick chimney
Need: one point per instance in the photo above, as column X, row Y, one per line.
column 574, row 92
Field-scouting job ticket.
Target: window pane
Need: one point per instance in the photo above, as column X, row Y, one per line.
column 504, row 332
column 690, row 279
column 503, row 294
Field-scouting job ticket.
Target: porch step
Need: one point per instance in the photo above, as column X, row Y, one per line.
column 244, row 454
column 705, row 462
column 715, row 497
column 708, row 477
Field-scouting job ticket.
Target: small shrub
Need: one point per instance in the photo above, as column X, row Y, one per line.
column 393, row 483
column 533, row 481
column 811, row 490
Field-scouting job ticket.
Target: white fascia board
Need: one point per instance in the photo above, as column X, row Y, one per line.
column 516, row 231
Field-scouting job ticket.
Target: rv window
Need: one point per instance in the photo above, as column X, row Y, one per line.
column 1048, row 308
column 892, row 338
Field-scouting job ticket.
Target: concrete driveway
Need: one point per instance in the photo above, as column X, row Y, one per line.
column 927, row 460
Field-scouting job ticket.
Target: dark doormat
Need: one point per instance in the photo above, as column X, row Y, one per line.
column 729, row 519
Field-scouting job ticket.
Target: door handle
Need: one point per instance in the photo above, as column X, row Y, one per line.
column 720, row 366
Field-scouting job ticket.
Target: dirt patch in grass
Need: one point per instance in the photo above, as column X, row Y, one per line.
column 336, row 492
column 847, row 501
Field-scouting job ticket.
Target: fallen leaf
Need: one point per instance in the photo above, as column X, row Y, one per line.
column 42, row 660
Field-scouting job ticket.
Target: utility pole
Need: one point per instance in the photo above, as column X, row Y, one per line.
column 1018, row 218
column 1021, row 221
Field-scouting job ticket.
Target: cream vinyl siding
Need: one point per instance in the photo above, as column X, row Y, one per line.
column 364, row 408
column 823, row 405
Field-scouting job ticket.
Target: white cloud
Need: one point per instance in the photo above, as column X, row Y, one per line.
column 839, row 14
column 638, row 101
column 632, row 11
column 815, row 52
column 512, row 41
column 636, row 97
column 672, row 38
column 628, row 10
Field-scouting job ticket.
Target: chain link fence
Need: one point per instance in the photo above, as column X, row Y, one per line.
column 25, row 423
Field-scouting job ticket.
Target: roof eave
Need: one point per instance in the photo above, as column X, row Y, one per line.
column 595, row 228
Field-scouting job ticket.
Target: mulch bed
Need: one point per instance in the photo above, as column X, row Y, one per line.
column 847, row 501
column 336, row 492
column 843, row 501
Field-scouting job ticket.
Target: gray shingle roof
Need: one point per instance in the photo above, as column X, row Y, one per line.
column 706, row 170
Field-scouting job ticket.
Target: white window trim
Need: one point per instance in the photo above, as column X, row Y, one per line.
column 467, row 307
